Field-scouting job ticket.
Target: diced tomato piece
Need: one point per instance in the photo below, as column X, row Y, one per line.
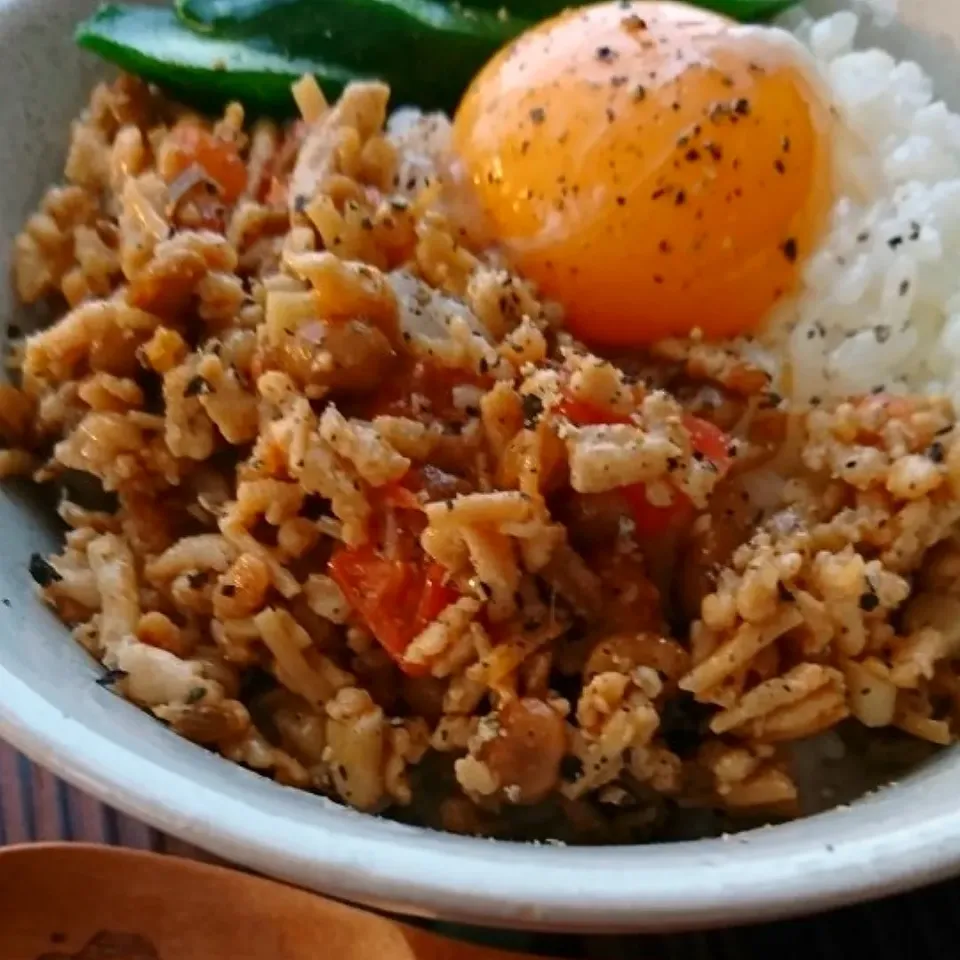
column 706, row 439
column 583, row 412
column 437, row 595
column 219, row 159
column 380, row 591
column 652, row 521
column 709, row 440
column 396, row 599
column 401, row 495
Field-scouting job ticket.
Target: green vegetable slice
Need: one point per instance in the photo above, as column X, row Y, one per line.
column 241, row 17
column 299, row 24
column 428, row 51
column 151, row 43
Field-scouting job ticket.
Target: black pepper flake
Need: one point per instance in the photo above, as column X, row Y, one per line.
column 790, row 249
column 42, row 571
column 606, row 54
column 869, row 601
column 299, row 203
column 6, row 602
column 935, row 452
column 683, row 723
column 571, row 768
column 742, row 107
column 619, row 81
column 611, row 116
column 195, row 386
column 681, row 198
column 111, row 677
column 895, row 242
column 714, row 150
column 314, row 507
column 634, row 22
column 904, row 287
column 538, row 115
column 785, row 144
column 621, row 201
column 664, row 246
column 639, row 93
column 881, row 333
column 863, row 237
column 914, row 230
column 780, row 167
column 692, row 155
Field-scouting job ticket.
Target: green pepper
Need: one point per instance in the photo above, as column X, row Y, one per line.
column 427, row 51
column 151, row 43
column 295, row 22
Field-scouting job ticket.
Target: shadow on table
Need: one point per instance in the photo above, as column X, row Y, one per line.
column 925, row 924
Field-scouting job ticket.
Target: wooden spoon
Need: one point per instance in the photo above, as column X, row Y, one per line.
column 65, row 901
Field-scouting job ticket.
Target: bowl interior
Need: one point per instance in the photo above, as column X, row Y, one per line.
column 52, row 708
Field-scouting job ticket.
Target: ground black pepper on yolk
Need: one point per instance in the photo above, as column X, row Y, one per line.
column 655, row 168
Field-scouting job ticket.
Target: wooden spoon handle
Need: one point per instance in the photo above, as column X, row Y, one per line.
column 72, row 902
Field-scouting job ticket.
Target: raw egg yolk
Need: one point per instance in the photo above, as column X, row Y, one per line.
column 655, row 168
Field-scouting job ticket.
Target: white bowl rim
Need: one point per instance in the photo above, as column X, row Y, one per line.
column 667, row 886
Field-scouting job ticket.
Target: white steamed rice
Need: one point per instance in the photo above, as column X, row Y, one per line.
column 880, row 306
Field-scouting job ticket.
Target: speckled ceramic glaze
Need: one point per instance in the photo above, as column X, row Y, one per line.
column 51, row 708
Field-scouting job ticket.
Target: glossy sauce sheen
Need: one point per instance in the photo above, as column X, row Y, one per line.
column 654, row 167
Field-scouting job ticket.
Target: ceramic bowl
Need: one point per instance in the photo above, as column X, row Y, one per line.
column 51, row 708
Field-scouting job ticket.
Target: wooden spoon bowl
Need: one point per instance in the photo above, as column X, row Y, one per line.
column 85, row 902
